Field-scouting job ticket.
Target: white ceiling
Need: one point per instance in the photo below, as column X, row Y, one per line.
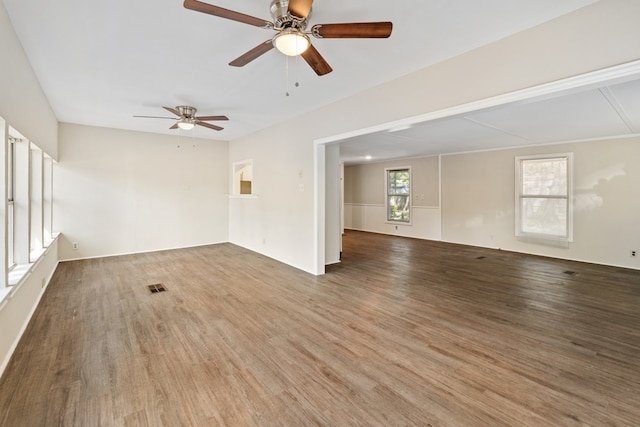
column 101, row 62
column 606, row 111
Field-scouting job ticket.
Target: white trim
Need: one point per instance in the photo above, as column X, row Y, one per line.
column 378, row 205
column 425, row 207
column 545, row 144
column 149, row 251
column 366, row 230
column 440, row 191
column 319, row 201
column 372, row 205
column 4, row 292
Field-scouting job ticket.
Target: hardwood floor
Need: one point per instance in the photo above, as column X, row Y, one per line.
column 402, row 332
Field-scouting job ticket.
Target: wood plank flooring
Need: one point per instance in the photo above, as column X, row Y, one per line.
column 402, row 333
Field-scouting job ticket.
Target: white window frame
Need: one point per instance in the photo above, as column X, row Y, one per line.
column 550, row 239
column 387, row 195
column 10, row 200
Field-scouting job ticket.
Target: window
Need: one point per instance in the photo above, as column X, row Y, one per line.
column 36, row 241
column 398, row 192
column 10, row 192
column 543, row 198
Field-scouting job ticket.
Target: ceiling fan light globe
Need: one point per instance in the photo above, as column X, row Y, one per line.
column 291, row 42
column 186, row 125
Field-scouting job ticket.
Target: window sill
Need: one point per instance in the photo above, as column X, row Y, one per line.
column 19, row 272
column 35, row 255
column 4, row 294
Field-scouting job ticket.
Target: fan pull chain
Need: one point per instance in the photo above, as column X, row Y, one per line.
column 296, row 84
column 286, row 83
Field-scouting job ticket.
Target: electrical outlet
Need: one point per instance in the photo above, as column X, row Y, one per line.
column 633, row 252
column 74, row 245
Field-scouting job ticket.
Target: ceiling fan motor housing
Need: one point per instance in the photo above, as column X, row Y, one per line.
column 283, row 19
column 186, row 111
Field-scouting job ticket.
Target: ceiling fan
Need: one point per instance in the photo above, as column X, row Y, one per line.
column 187, row 118
column 290, row 18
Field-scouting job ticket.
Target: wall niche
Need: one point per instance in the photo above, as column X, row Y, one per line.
column 243, row 178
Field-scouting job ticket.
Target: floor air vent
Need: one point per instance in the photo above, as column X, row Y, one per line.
column 158, row 287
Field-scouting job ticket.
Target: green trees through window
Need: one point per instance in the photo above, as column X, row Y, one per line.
column 399, row 195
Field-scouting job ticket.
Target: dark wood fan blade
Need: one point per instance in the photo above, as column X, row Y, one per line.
column 316, row 61
column 209, row 125
column 175, row 126
column 173, row 110
column 212, row 118
column 210, row 9
column 257, row 51
column 300, row 8
column 155, row 117
column 355, row 30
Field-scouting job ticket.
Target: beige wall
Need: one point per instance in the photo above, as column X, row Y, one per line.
column 365, row 205
column 120, row 191
column 365, row 184
column 478, row 200
column 478, row 196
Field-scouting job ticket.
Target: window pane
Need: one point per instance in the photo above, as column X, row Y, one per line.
column 10, row 227
column 398, row 182
column 544, row 216
column 398, row 208
column 544, row 177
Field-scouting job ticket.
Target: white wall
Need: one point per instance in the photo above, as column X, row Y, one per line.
column 333, row 205
column 120, row 192
column 478, row 201
column 24, row 107
column 280, row 223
